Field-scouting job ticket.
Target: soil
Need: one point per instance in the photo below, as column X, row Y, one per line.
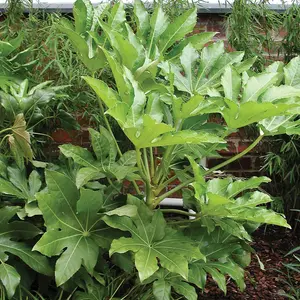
column 271, row 245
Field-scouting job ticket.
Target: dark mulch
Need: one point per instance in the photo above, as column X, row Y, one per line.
column 271, row 245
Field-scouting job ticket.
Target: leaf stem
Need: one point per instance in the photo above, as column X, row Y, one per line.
column 219, row 166
column 140, row 165
column 152, row 165
column 115, row 140
column 178, row 211
column 184, row 221
column 146, row 164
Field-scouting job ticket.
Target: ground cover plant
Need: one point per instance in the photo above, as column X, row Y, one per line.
column 81, row 230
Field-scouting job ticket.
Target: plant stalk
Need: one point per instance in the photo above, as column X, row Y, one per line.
column 219, row 166
column 178, row 211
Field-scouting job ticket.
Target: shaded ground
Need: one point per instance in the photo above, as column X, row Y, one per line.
column 271, row 246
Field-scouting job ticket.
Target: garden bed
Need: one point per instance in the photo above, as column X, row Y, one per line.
column 271, row 245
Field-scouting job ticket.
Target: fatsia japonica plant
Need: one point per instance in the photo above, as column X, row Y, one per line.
column 166, row 89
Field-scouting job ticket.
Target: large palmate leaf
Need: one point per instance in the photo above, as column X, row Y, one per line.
column 152, row 240
column 164, row 280
column 239, row 115
column 10, row 235
column 15, row 183
column 75, row 230
column 220, row 207
column 225, row 255
column 105, row 163
column 213, row 62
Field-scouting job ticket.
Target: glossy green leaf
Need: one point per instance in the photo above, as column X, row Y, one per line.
column 10, row 278
column 177, row 30
column 80, row 45
column 279, row 92
column 117, row 16
column 142, row 19
column 231, row 83
column 292, row 73
column 83, row 15
column 196, row 40
column 185, row 289
column 150, row 240
column 124, row 87
column 239, row 115
column 161, row 290
column 105, row 93
column 80, row 155
column 159, row 23
column 11, row 232
column 257, row 85
column 74, row 229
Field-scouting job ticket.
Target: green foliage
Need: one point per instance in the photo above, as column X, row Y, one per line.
column 252, row 27
column 164, row 91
